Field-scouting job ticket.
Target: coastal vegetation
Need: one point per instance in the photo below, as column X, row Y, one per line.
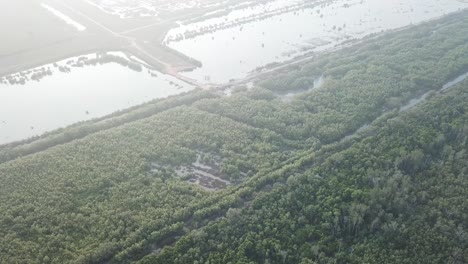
column 306, row 188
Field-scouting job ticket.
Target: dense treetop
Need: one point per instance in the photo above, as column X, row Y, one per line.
column 304, row 186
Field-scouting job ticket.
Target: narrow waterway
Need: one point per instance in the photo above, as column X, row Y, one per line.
column 415, row 102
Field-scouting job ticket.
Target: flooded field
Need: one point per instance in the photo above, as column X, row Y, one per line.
column 233, row 45
column 77, row 89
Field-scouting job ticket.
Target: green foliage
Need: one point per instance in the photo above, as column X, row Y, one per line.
column 360, row 204
column 375, row 76
column 303, row 190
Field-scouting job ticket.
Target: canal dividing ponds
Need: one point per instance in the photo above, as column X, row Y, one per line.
column 233, row 45
column 56, row 95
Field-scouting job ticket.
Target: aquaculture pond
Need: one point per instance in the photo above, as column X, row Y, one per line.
column 233, row 45
column 77, row 89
